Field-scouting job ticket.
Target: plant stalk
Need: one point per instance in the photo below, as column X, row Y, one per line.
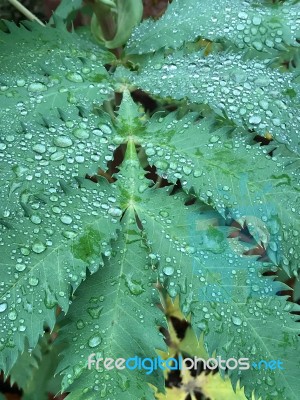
column 28, row 14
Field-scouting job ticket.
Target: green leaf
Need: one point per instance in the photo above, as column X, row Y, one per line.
column 54, row 223
column 247, row 91
column 226, row 294
column 223, row 291
column 228, row 298
column 23, row 371
column 218, row 164
column 221, row 171
column 52, row 69
column 114, row 315
column 34, row 371
column 244, row 23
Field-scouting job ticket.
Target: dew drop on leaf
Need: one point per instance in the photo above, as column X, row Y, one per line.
column 66, row 219
column 168, row 271
column 74, row 77
column 39, row 148
column 35, row 219
column 236, row 320
column 38, row 247
column 255, row 119
column 94, row 341
column 80, row 324
column 33, row 281
column 3, row 307
column 37, row 87
column 20, row 267
column 63, row 141
column 12, row 315
column 81, row 133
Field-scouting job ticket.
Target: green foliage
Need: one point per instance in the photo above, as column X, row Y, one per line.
column 162, row 220
column 115, row 312
column 45, row 139
column 247, row 91
column 260, row 25
column 34, row 370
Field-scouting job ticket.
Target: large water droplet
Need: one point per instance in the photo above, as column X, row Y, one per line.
column 255, row 119
column 38, row 247
column 81, row 133
column 12, row 315
column 236, row 320
column 37, row 87
column 168, row 271
column 74, row 77
column 94, row 341
column 39, row 148
column 63, row 141
column 3, row 307
column 115, row 212
column 66, row 219
column 33, row 281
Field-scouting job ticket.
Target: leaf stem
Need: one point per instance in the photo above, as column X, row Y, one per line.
column 28, row 14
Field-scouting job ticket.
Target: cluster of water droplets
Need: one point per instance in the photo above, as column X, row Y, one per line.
column 261, row 27
column 50, row 216
column 250, row 93
column 72, row 74
column 111, row 310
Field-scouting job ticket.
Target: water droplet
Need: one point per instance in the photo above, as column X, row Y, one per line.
column 81, row 133
column 257, row 45
column 197, row 173
column 186, row 169
column 255, row 119
column 95, row 312
column 12, row 315
column 74, row 77
column 57, row 156
column 22, row 328
column 150, row 151
column 39, row 148
column 242, row 15
column 115, row 212
column 94, row 341
column 168, row 271
column 69, row 234
column 164, row 214
column 25, row 251
column 256, row 20
column 66, row 219
column 80, row 324
column 79, row 159
column 35, row 219
column 37, row 87
column 38, row 247
column 3, row 307
column 276, row 121
column 20, row 267
column 63, row 141
column 255, row 288
column 33, row 281
column 214, row 139
column 21, row 82
column 134, row 285
column 236, row 320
